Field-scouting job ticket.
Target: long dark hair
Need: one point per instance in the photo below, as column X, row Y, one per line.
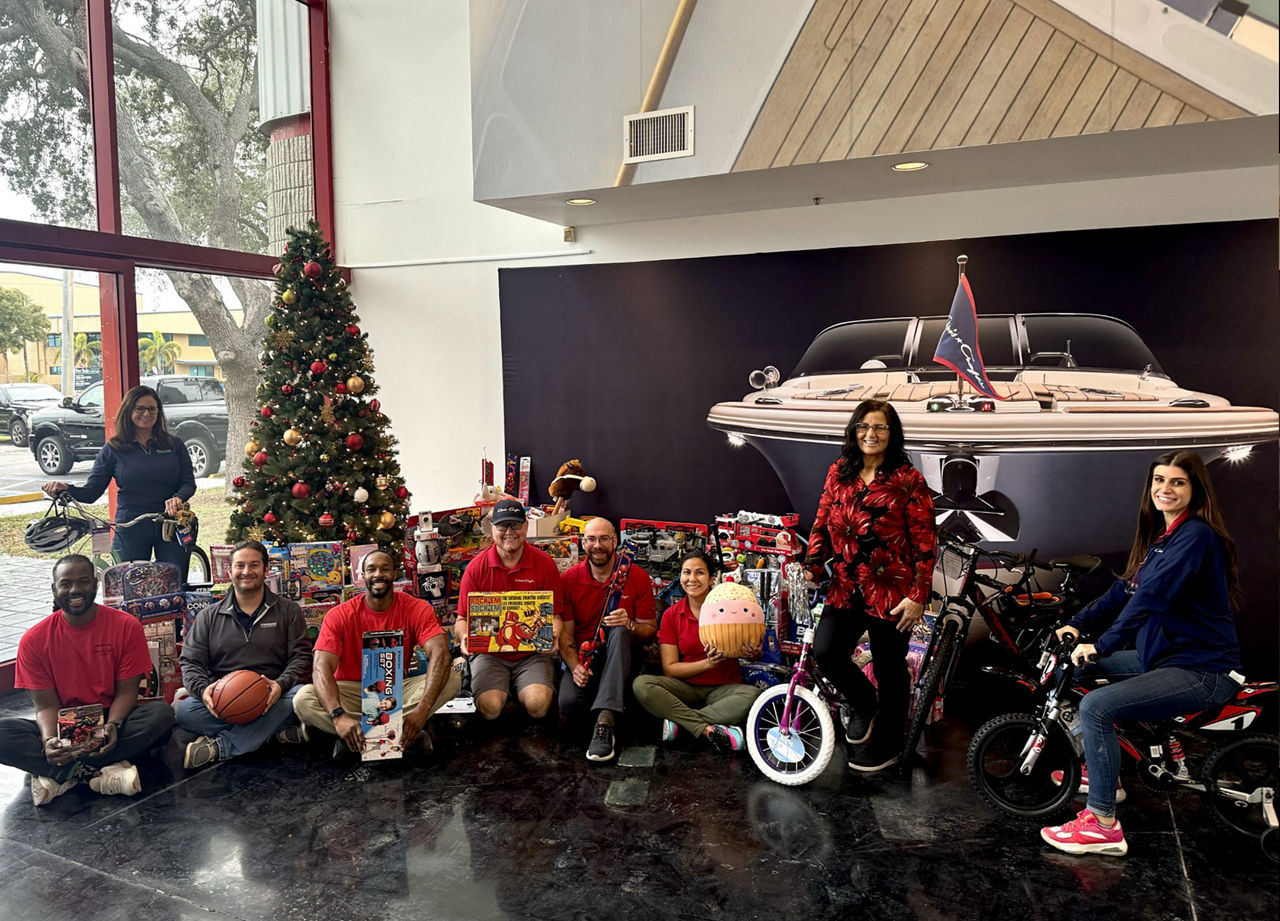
column 895, row 455
column 126, row 433
column 712, row 564
column 1203, row 505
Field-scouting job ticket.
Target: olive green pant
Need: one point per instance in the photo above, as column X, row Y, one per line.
column 695, row 706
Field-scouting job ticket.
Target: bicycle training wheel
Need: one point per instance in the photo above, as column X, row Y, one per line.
column 937, row 666
column 995, row 758
column 1241, row 766
column 795, row 754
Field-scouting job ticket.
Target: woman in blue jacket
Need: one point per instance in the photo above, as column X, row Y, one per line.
column 152, row 471
column 1166, row 629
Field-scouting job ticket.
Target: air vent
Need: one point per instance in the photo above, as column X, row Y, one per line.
column 658, row 135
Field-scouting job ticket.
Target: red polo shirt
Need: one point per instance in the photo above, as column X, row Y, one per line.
column 82, row 664
column 343, row 627
column 535, row 572
column 680, row 629
column 585, row 597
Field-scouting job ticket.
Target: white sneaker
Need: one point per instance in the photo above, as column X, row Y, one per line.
column 119, row 779
column 46, row 789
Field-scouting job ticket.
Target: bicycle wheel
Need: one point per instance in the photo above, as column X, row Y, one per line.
column 199, row 571
column 996, row 754
column 1242, row 766
column 943, row 651
column 790, row 755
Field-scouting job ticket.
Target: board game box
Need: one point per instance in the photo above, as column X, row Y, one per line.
column 382, row 695
column 510, row 622
column 316, row 565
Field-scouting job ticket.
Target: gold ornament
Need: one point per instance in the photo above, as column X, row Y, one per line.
column 292, row 437
column 355, row 384
column 324, row 458
column 280, row 339
column 326, row 414
column 252, row 448
column 289, row 296
column 255, row 532
column 386, row 520
column 382, row 482
column 333, row 356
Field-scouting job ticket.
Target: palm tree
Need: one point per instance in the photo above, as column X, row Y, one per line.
column 84, row 352
column 158, row 354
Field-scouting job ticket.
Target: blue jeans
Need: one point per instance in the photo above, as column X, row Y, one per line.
column 236, row 738
column 1138, row 695
column 139, row 541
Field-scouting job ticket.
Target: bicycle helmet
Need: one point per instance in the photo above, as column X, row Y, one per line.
column 55, row 533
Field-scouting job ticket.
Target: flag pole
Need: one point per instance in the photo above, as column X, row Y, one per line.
column 961, row 261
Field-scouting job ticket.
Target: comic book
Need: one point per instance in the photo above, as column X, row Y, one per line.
column 83, row 728
column 382, row 694
column 510, row 622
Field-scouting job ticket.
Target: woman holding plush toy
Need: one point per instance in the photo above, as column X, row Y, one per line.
column 700, row 689
column 875, row 526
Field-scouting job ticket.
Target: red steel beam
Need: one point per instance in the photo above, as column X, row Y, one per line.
column 321, row 121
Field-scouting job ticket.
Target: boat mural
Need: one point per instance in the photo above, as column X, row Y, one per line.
column 1052, row 465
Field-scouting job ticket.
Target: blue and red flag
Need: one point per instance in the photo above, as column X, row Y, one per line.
column 958, row 344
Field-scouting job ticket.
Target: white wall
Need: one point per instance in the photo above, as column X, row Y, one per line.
column 402, row 153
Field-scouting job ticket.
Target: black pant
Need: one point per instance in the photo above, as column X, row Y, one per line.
column 21, row 746
column 607, row 687
column 838, row 633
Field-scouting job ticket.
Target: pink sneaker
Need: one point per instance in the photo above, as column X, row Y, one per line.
column 1084, row 835
column 1083, row 789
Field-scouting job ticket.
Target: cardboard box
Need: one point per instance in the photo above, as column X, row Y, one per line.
column 510, row 622
column 382, row 695
column 547, row 525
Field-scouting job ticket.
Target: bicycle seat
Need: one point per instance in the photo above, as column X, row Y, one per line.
column 1082, row 564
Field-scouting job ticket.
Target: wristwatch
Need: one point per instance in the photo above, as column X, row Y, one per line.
column 337, row 712
column 117, row 723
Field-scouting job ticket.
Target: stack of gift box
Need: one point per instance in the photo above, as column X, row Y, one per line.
column 152, row 592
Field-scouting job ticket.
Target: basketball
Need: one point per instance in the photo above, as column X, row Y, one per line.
column 240, row 697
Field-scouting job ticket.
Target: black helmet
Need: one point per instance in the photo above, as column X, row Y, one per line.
column 55, row 533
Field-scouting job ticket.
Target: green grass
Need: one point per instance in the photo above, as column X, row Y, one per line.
column 209, row 504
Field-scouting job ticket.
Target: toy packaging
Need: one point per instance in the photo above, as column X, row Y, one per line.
column 316, row 565
column 564, row 550
column 755, row 549
column 382, row 694
column 167, row 607
column 526, row 468
column 196, row 602
column 84, row 727
column 661, row 544
column 164, row 678
column 510, row 622
column 356, row 555
column 131, row 581
column 220, row 563
column 314, row 614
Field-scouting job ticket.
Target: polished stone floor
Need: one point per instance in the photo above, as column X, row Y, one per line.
column 510, row 821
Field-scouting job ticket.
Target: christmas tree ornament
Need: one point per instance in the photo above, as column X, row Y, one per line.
column 339, row 387
column 353, row 330
column 318, row 367
column 266, row 412
column 277, row 269
column 260, row 459
column 269, row 517
column 325, row 520
column 312, row 270
column 361, row 495
column 352, row 536
column 402, row 493
column 292, row 437
column 355, row 384
column 375, row 405
column 301, row 490
column 382, row 482
column 287, row 389
column 251, row 448
column 355, row 441
column 333, row 356
column 324, row 458
column 239, row 482
column 386, row 520
column 289, row 296
column 271, row 322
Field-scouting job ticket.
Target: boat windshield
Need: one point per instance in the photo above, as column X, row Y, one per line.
column 1078, row 341
column 856, row 346
column 993, row 341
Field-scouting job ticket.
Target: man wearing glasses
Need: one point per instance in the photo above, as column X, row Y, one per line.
column 511, row 565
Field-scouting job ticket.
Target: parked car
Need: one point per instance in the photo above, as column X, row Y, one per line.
column 74, row 430
column 18, row 402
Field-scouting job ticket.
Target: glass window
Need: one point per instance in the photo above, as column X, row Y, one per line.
column 211, row 389
column 197, row 340
column 54, row 341
column 92, row 396
column 855, row 346
column 1080, row 341
column 994, row 341
column 46, row 142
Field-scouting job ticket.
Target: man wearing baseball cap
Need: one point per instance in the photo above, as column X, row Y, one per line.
column 511, row 565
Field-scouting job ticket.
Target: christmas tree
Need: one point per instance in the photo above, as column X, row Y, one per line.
column 321, row 464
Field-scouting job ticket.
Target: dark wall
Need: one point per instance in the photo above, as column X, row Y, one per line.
column 618, row 364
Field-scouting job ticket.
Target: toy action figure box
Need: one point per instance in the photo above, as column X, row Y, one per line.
column 563, row 550
column 510, row 622
column 164, row 677
column 382, row 695
column 661, row 544
column 82, row 728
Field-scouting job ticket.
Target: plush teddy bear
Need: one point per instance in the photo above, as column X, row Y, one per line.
column 569, row 477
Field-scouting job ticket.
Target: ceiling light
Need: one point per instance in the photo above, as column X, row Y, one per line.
column 580, row 201
column 910, row 167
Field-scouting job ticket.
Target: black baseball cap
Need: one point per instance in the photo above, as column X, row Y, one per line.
column 507, row 511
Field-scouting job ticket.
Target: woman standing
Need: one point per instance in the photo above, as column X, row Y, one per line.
column 700, row 688
column 875, row 525
column 1166, row 628
column 152, row 471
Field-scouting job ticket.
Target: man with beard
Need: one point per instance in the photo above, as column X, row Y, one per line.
column 510, row 565
column 333, row 701
column 82, row 654
column 251, row 628
column 588, row 587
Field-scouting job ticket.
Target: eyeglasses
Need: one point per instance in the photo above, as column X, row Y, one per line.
column 509, row 526
column 880, row 428
column 146, row 410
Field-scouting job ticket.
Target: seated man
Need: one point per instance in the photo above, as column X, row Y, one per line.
column 510, row 565
column 590, row 589
column 251, row 628
column 334, row 701
column 82, row 654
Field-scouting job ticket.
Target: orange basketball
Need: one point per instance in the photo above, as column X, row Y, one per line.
column 240, row 697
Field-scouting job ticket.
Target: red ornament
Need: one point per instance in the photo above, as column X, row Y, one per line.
column 353, row 330
column 277, row 269
column 402, row 493
column 340, row 388
column 355, row 441
column 260, row 458
column 269, row 518
column 318, row 367
column 238, row 482
column 301, row 490
column 266, row 412
column 326, row 520
column 375, row 405
column 287, row 389
column 312, row 269
column 352, row 536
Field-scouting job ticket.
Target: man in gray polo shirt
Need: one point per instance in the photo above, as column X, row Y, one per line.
column 251, row 628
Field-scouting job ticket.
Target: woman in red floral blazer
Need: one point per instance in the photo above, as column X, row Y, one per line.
column 875, row 526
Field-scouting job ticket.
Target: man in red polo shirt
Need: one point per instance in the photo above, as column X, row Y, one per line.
column 332, row 702
column 82, row 654
column 510, row 565
column 586, row 587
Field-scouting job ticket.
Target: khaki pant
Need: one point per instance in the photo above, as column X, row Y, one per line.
column 309, row 709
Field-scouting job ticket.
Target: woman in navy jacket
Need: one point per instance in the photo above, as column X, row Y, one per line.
column 1166, row 628
column 152, row 471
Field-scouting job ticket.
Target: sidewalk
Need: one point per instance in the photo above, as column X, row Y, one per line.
column 25, row 597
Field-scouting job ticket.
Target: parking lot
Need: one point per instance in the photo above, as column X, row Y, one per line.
column 20, row 476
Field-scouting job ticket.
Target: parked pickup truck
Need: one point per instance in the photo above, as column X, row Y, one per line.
column 195, row 408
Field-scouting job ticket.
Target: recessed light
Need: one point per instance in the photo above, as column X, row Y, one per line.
column 910, row 167
column 580, row 201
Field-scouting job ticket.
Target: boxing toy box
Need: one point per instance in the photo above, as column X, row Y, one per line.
column 510, row 622
column 382, row 694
